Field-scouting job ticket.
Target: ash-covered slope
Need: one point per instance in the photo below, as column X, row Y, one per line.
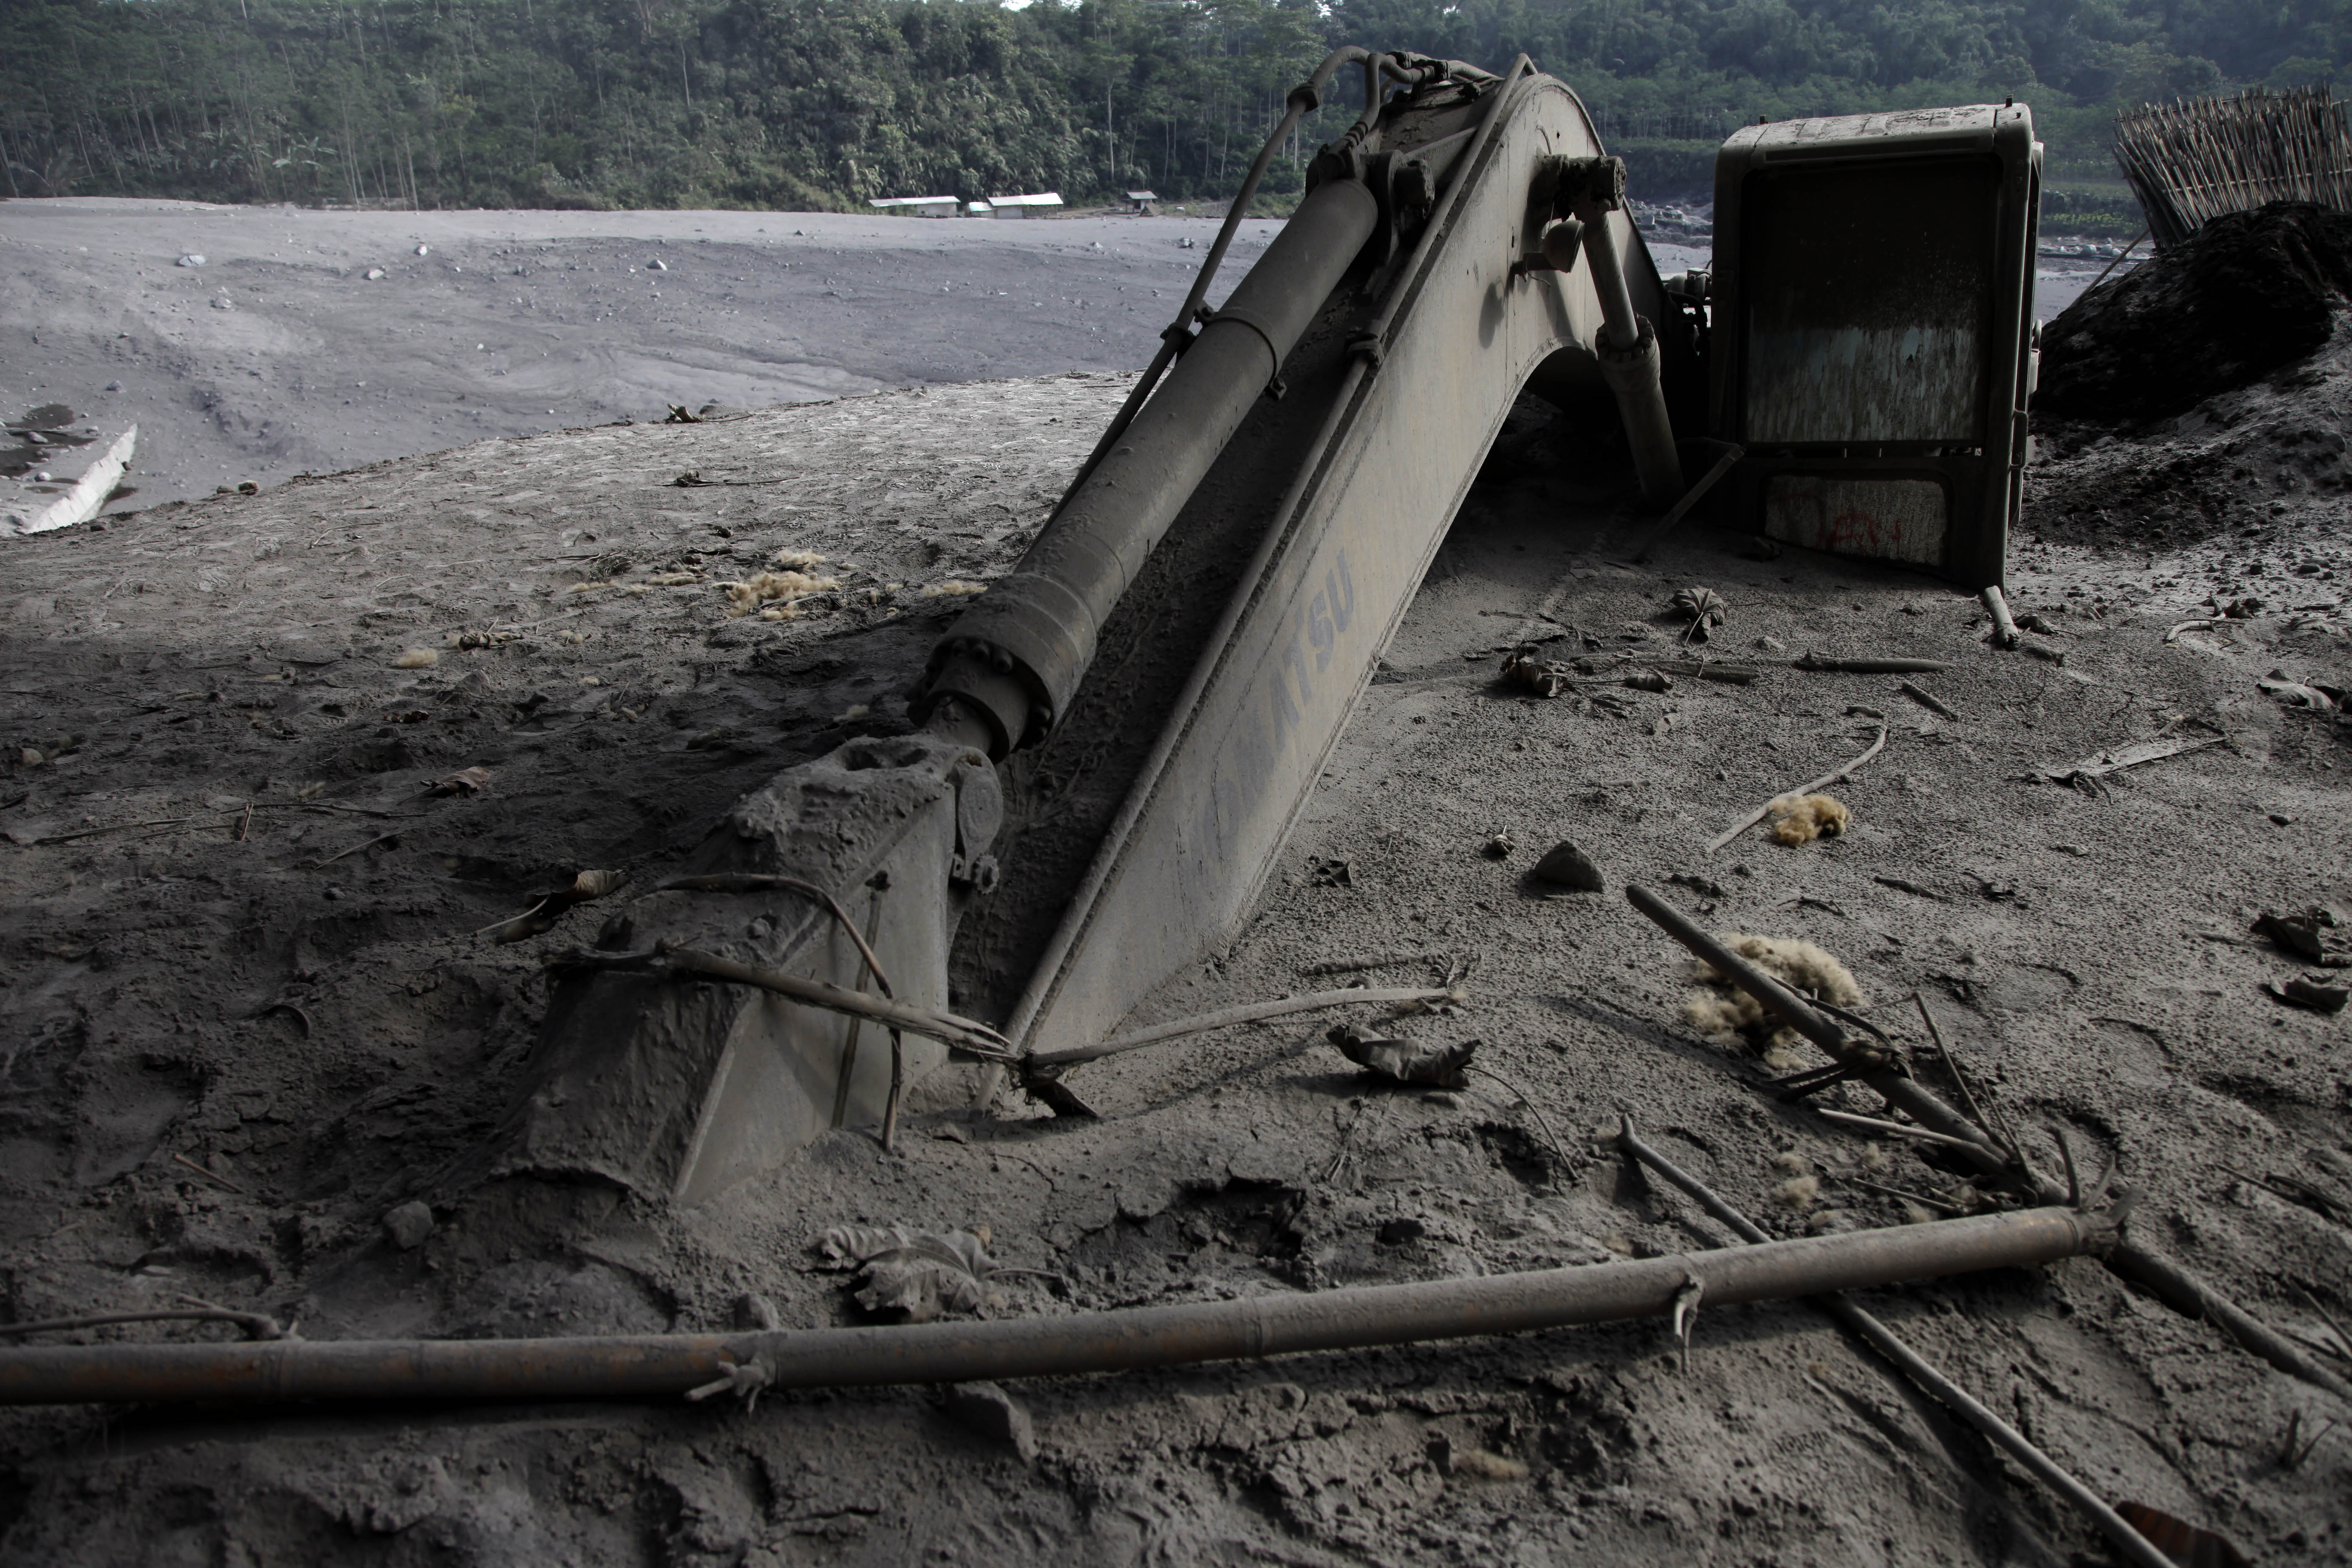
column 2203, row 392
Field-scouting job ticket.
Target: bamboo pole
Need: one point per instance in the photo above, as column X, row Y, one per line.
column 1250, row 1327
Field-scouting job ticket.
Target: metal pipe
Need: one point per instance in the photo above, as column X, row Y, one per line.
column 2130, row 1542
column 1035, row 631
column 2175, row 1287
column 1627, row 346
column 1247, row 1328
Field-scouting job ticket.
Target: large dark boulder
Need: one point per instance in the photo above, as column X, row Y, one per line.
column 2244, row 295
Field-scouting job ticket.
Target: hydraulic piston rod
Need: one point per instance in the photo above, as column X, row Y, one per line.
column 1015, row 659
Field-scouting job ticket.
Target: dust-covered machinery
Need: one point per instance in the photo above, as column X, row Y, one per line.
column 1113, row 743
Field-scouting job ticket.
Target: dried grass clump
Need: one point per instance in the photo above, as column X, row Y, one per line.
column 1801, row 818
column 774, row 594
column 416, row 659
column 797, row 560
column 953, row 587
column 1799, row 1192
column 1487, row 1465
column 1720, row 1007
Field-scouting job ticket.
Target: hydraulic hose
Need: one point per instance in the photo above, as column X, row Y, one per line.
column 1252, row 1326
column 1303, row 100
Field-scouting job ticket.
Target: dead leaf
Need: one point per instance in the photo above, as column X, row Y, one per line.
column 1527, row 668
column 1402, row 1061
column 919, row 1275
column 465, row 781
column 1706, row 608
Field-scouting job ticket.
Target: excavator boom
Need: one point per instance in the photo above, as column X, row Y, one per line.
column 1117, row 737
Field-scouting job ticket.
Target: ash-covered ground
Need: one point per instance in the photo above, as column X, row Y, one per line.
column 253, row 1011
column 312, row 341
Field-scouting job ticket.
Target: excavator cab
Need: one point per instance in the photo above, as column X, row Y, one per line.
column 1872, row 342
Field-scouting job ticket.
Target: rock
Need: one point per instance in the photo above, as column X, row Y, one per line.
column 1566, row 866
column 656, row 265
column 373, row 273
column 407, row 1225
column 984, row 1408
column 191, row 259
column 219, row 303
column 2318, row 998
column 2244, row 295
column 1397, row 1232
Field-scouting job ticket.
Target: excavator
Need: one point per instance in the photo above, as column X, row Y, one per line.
column 1111, row 745
column 1106, row 751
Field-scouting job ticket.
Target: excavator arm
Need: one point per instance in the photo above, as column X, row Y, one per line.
column 1114, row 741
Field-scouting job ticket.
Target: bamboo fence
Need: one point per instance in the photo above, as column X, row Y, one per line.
column 2191, row 162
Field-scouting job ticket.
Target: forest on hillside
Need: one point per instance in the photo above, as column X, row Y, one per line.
column 823, row 103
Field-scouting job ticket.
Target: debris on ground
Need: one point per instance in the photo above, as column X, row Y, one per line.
column 1566, row 866
column 1720, row 1007
column 1703, row 607
column 775, row 594
column 915, row 1275
column 2177, row 1539
column 465, row 781
column 1801, row 818
column 1526, row 668
column 2318, row 998
column 1402, row 1061
column 548, row 908
column 987, row 1410
column 2081, row 775
column 2310, row 934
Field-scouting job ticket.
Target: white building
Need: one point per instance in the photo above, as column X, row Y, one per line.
column 916, row 206
column 1024, row 206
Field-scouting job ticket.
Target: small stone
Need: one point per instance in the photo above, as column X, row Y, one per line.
column 2282, row 819
column 984, row 1408
column 1566, row 866
column 1397, row 1232
column 407, row 1226
column 1498, row 847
